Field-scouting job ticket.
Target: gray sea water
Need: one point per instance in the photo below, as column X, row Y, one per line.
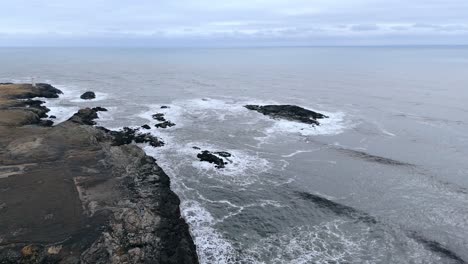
column 383, row 180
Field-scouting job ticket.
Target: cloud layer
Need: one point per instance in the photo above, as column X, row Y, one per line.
column 241, row 22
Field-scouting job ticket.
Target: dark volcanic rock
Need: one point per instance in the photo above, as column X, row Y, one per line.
column 128, row 135
column 99, row 109
column 52, row 117
column 47, row 123
column 88, row 95
column 146, row 126
column 84, row 116
column 289, row 112
column 165, row 124
column 88, row 200
column 212, row 158
column 159, row 117
column 164, row 107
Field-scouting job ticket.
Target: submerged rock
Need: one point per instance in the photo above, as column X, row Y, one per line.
column 212, row 158
column 88, row 95
column 159, row 117
column 165, row 124
column 146, row 126
column 164, row 106
column 289, row 112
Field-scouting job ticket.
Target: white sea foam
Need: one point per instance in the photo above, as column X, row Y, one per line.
column 61, row 113
column 333, row 125
column 211, row 246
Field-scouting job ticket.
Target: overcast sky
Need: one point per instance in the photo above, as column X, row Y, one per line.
column 232, row 22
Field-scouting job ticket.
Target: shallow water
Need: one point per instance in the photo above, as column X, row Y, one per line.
column 383, row 180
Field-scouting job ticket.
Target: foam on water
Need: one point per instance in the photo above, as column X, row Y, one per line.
column 211, row 246
column 337, row 241
column 333, row 125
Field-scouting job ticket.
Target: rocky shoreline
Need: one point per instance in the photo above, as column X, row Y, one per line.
column 76, row 193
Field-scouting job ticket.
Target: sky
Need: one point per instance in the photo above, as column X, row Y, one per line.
column 232, row 22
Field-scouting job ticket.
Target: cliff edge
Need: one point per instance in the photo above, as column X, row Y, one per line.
column 69, row 194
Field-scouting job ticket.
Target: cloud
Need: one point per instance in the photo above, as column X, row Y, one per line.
column 287, row 20
column 368, row 27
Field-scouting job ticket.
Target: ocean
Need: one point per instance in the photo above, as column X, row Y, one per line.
column 383, row 180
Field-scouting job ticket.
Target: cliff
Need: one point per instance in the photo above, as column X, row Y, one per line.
column 69, row 194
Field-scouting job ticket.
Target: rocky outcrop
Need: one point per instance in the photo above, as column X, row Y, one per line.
column 128, row 135
column 88, row 199
column 88, row 95
column 163, row 122
column 214, row 157
column 289, row 112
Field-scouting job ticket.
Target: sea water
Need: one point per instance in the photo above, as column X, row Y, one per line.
column 383, row 180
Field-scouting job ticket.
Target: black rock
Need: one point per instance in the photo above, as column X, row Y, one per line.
column 146, row 126
column 88, row 95
column 211, row 158
column 194, row 147
column 289, row 112
column 99, row 109
column 128, row 135
column 165, row 124
column 159, row 117
column 84, row 116
column 48, row 91
column 52, row 117
column 164, row 106
column 47, row 123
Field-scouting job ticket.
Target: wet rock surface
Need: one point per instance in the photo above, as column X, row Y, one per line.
column 289, row 112
column 89, row 200
column 129, row 135
column 214, row 157
column 163, row 122
column 88, row 95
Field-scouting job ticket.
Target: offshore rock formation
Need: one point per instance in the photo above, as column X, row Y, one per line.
column 289, row 112
column 214, row 157
column 88, row 95
column 70, row 194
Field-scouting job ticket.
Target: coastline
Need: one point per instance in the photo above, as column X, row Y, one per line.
column 69, row 194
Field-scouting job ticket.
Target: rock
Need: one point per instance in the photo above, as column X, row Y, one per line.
column 128, row 135
column 289, row 112
column 99, row 109
column 88, row 200
column 47, row 91
column 165, row 124
column 195, row 147
column 46, row 123
column 88, row 95
column 54, row 250
column 52, row 117
column 164, row 107
column 84, row 116
column 211, row 158
column 159, row 117
column 29, row 250
column 146, row 126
